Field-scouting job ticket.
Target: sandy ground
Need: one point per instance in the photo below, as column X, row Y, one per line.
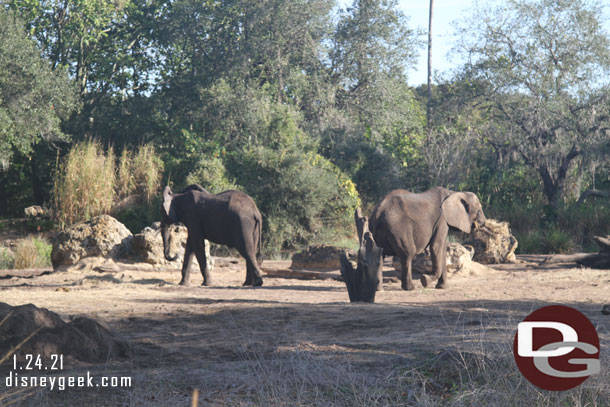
column 228, row 341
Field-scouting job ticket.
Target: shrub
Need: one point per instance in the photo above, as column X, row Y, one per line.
column 557, row 241
column 32, row 253
column 7, row 259
column 301, row 195
column 211, row 174
column 85, row 186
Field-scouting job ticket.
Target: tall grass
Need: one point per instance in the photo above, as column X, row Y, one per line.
column 32, row 252
column 90, row 181
column 85, row 187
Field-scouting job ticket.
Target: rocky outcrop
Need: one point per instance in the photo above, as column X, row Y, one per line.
column 320, row 257
column 101, row 236
column 493, row 243
column 147, row 246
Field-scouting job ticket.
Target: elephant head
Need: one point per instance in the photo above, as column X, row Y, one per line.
column 168, row 217
column 463, row 211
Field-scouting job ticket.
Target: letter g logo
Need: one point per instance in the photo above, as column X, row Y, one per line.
column 553, row 344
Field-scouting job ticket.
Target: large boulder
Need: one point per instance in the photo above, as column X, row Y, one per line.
column 101, row 236
column 459, row 258
column 320, row 257
column 147, row 246
column 493, row 243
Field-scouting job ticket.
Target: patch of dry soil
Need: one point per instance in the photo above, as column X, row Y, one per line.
column 217, row 338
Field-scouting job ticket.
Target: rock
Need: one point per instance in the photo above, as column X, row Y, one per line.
column 147, row 246
column 459, row 258
column 100, row 236
column 82, row 339
column 493, row 243
column 34, row 211
column 95, row 263
column 320, row 257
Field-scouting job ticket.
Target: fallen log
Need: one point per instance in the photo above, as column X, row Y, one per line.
column 600, row 260
column 302, row 274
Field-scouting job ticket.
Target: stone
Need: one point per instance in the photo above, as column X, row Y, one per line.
column 147, row 247
column 320, row 257
column 34, row 211
column 101, row 236
column 493, row 243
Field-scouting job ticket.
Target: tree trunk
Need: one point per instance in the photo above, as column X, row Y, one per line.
column 363, row 282
column 428, row 104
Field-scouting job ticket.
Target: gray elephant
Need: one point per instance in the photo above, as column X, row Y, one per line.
column 405, row 223
column 230, row 218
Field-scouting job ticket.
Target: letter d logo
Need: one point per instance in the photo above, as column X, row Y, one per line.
column 556, row 348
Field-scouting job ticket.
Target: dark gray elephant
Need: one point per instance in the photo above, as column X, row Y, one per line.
column 405, row 223
column 230, row 218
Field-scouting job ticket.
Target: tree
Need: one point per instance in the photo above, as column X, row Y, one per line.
column 33, row 98
column 547, row 64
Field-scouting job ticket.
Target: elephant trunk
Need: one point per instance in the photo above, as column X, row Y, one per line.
column 167, row 242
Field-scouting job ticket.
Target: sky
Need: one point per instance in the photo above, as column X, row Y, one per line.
column 443, row 33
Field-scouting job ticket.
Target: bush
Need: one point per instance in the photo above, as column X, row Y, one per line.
column 211, row 174
column 7, row 259
column 32, row 253
column 302, row 196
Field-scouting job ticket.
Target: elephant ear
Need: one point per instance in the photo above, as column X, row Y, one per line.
column 168, row 208
column 455, row 209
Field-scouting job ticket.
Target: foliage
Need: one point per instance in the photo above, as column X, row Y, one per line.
column 299, row 194
column 33, row 98
column 90, row 181
column 546, row 63
column 32, row 252
column 211, row 174
column 7, row 259
column 85, row 184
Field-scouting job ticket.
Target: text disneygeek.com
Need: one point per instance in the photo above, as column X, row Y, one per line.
column 16, row 380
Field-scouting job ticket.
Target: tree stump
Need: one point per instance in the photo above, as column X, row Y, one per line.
column 363, row 282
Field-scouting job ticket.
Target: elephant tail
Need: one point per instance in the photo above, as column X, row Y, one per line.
column 258, row 229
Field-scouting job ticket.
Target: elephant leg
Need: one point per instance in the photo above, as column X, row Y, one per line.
column 406, row 277
column 199, row 249
column 188, row 260
column 253, row 273
column 442, row 279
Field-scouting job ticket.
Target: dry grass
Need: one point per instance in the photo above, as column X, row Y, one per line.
column 32, row 252
column 85, row 187
column 90, row 182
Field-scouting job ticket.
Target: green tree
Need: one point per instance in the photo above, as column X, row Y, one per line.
column 547, row 64
column 34, row 100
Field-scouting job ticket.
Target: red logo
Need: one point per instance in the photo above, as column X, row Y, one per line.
column 556, row 348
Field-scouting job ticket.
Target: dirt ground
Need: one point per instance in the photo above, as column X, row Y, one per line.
column 300, row 342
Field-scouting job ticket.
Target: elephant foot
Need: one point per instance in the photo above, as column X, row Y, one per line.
column 408, row 286
column 207, row 283
column 257, row 282
column 247, row 283
column 441, row 285
column 426, row 280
